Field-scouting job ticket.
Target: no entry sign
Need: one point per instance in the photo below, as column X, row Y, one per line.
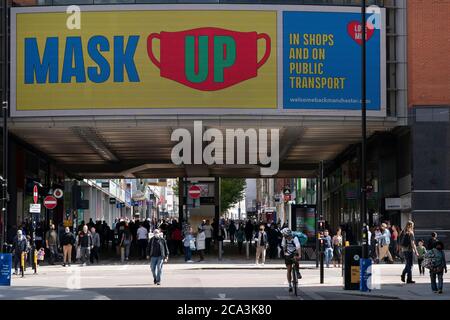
column 50, row 202
column 194, row 192
column 35, row 194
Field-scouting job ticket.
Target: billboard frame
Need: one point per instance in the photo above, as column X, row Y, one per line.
column 152, row 111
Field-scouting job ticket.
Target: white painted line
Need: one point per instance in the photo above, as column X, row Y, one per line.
column 222, row 297
column 289, row 298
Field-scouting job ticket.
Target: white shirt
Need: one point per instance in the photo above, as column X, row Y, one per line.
column 207, row 228
column 142, row 233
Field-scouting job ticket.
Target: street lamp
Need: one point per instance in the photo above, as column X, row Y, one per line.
column 5, row 196
column 364, row 134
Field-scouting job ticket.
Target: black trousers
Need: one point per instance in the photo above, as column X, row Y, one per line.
column 94, row 254
column 142, row 247
column 207, row 245
column 17, row 258
column 421, row 269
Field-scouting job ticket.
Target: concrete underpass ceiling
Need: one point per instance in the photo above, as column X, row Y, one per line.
column 111, row 148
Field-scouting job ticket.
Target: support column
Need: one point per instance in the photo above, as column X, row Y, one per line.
column 217, row 211
column 180, row 199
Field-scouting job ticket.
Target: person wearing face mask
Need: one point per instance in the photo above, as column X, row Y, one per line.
column 19, row 247
column 85, row 244
column 67, row 241
column 52, row 243
column 261, row 245
column 158, row 253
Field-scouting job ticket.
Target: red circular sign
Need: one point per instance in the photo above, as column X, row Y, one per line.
column 50, row 202
column 194, row 192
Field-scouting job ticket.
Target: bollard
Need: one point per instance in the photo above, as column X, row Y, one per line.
column 22, row 264
column 35, row 261
column 220, row 249
column 321, row 261
column 247, row 249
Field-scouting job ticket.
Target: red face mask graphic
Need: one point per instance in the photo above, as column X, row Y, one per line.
column 208, row 59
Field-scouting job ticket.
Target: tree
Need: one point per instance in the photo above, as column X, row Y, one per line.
column 232, row 191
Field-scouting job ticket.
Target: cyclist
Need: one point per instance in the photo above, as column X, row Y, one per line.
column 292, row 253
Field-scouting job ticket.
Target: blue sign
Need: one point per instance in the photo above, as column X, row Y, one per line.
column 5, row 269
column 322, row 61
column 365, row 283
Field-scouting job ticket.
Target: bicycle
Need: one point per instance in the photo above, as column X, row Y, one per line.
column 295, row 276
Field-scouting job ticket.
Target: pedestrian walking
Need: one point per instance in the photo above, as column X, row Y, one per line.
column 337, row 248
column 19, row 248
column 201, row 242
column 408, row 248
column 377, row 235
column 177, row 237
column 84, row 243
column 142, row 238
column 384, row 240
column 125, row 243
column 261, row 245
column 208, row 234
column 158, row 253
column 232, row 231
column 187, row 243
column 52, row 243
column 67, row 241
column 96, row 243
column 273, row 242
column 438, row 267
column 328, row 249
column 394, row 242
column 432, row 242
column 422, row 251
column 240, row 237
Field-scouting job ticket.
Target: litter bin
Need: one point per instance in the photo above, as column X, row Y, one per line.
column 352, row 255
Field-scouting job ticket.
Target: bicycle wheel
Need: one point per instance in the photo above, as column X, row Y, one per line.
column 294, row 279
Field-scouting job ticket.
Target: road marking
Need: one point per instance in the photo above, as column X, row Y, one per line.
column 222, row 297
column 44, row 297
column 289, row 298
column 313, row 295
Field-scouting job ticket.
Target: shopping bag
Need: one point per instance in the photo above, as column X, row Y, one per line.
column 192, row 245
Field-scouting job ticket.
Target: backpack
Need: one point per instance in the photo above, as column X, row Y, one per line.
column 405, row 240
column 302, row 238
column 433, row 260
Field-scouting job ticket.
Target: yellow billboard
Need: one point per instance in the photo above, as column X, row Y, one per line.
column 146, row 59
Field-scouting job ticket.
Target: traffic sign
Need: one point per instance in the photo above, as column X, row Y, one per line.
column 195, row 192
column 35, row 208
column 35, row 194
column 50, row 202
column 58, row 193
